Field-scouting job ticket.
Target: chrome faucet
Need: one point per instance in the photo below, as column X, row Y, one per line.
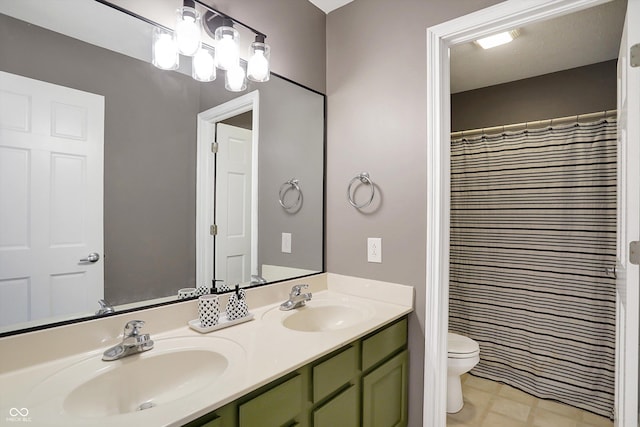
column 105, row 308
column 132, row 342
column 296, row 298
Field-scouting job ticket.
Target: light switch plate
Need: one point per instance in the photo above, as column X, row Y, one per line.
column 286, row 243
column 374, row 249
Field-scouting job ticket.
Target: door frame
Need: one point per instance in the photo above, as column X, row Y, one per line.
column 205, row 179
column 501, row 17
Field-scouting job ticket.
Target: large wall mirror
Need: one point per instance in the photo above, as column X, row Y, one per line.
column 104, row 156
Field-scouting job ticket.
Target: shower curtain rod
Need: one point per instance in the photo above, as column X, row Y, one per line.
column 538, row 124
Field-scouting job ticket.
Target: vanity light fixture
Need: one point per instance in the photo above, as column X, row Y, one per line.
column 164, row 50
column 224, row 55
column 497, row 39
column 259, row 55
column 188, row 28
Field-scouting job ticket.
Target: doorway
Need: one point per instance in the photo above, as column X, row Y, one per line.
column 501, row 17
column 206, row 194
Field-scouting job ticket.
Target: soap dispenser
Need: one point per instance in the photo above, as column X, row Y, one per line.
column 237, row 305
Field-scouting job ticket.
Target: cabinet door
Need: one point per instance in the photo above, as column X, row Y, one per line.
column 384, row 394
column 275, row 407
column 341, row 411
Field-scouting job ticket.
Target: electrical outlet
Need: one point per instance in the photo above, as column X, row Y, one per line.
column 374, row 249
column 286, row 243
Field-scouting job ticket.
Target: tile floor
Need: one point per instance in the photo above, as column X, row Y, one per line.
column 491, row 404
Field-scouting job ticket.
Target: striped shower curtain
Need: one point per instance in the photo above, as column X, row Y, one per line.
column 533, row 228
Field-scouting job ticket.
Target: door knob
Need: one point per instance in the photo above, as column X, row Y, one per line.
column 92, row 257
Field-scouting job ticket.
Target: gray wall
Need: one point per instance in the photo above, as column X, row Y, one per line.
column 291, row 146
column 580, row 90
column 376, row 87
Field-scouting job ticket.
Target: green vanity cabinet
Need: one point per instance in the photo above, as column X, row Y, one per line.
column 363, row 384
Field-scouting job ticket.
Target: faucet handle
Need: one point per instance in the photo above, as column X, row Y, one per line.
column 296, row 289
column 132, row 328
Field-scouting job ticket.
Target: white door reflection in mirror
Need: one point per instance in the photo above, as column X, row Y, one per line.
column 51, row 199
column 233, row 204
column 235, row 201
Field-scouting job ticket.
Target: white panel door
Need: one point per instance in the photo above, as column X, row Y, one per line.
column 628, row 278
column 233, row 204
column 51, row 191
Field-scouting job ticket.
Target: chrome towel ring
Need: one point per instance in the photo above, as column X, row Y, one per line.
column 290, row 185
column 365, row 179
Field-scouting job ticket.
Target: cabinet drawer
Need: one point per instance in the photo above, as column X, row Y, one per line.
column 275, row 407
column 330, row 375
column 382, row 344
column 343, row 410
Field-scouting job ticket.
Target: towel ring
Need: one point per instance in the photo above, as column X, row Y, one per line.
column 292, row 184
column 365, row 179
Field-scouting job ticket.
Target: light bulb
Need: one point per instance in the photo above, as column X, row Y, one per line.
column 203, row 67
column 258, row 68
column 188, row 30
column 165, row 51
column 234, row 79
column 227, row 55
column 258, row 65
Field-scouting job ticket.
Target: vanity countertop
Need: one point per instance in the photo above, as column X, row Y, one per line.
column 257, row 352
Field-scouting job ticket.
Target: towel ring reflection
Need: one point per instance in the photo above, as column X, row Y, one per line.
column 365, row 179
column 290, row 185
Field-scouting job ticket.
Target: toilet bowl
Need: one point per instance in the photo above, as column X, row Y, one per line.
column 463, row 355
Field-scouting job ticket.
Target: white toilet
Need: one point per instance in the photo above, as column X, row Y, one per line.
column 463, row 355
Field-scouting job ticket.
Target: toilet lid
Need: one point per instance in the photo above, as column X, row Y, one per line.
column 461, row 345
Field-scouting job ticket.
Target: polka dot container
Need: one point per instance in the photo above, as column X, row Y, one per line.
column 209, row 310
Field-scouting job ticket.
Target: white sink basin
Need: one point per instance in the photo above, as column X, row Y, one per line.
column 174, row 369
column 324, row 315
column 138, row 383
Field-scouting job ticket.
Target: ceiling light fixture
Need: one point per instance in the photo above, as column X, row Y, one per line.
column 497, row 39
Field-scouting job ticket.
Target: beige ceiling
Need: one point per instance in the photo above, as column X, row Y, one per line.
column 586, row 37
